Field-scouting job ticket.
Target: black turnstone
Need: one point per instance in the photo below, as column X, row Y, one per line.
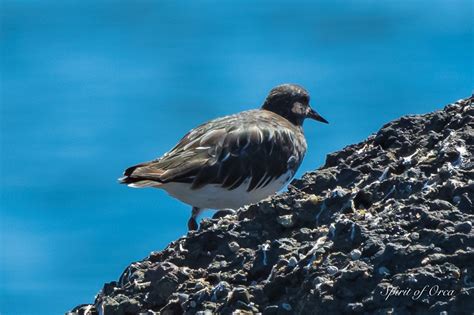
column 235, row 160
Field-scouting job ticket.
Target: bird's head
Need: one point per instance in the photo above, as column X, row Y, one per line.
column 291, row 101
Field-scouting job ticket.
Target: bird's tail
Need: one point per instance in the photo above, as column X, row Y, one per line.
column 134, row 177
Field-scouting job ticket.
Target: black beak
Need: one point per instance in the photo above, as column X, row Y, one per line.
column 314, row 115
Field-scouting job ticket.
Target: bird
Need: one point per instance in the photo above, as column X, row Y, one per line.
column 235, row 160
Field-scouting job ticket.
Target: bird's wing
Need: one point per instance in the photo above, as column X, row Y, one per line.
column 227, row 151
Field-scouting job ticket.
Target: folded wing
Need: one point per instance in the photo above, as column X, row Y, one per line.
column 228, row 152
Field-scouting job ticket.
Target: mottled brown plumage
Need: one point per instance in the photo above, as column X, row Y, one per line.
column 248, row 151
column 226, row 151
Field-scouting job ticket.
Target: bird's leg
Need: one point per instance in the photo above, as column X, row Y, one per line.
column 192, row 223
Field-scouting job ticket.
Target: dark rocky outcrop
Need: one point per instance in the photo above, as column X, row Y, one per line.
column 392, row 212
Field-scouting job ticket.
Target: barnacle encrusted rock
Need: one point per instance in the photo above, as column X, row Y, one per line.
column 385, row 226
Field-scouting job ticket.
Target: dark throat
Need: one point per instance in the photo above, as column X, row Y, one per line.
column 284, row 111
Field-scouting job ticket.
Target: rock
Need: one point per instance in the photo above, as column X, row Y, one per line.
column 286, row 221
column 284, row 308
column 222, row 213
column 355, row 254
column 354, row 307
column 395, row 210
column 332, row 270
column 221, row 291
column 384, row 271
column 415, row 236
column 292, row 262
column 463, row 227
column 239, row 294
column 234, row 246
column 271, row 310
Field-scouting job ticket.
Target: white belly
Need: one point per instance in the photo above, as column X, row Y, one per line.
column 213, row 196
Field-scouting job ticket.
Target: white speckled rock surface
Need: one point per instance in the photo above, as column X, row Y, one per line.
column 394, row 211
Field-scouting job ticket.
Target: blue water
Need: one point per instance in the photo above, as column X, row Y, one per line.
column 91, row 87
